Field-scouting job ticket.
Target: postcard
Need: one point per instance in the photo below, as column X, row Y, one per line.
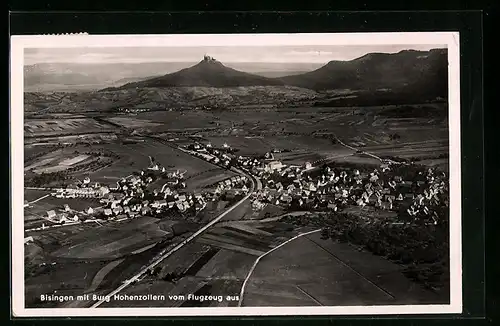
column 235, row 174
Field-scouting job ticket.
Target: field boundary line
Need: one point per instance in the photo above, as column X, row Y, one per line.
column 352, row 269
column 265, row 254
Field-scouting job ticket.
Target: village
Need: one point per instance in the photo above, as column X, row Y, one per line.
column 414, row 192
column 132, row 197
column 419, row 195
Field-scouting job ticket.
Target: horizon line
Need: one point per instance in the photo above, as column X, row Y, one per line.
column 241, row 62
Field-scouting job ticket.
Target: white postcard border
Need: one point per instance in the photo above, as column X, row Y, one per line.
column 19, row 43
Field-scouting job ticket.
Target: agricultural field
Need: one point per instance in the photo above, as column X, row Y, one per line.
column 129, row 122
column 214, row 264
column 31, row 152
column 103, row 254
column 135, row 157
column 281, row 279
column 51, row 127
column 74, row 160
column 65, row 277
column 111, row 241
column 177, row 121
column 259, row 145
column 207, row 178
column 32, row 195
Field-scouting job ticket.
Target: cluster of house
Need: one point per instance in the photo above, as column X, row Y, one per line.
column 292, row 185
column 174, row 200
column 131, row 197
column 208, row 153
column 333, row 190
column 84, row 190
column 223, row 156
column 128, row 198
column 232, row 187
column 67, row 215
column 433, row 194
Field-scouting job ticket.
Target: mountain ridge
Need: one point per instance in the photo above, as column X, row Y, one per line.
column 207, row 73
column 407, row 71
column 395, row 71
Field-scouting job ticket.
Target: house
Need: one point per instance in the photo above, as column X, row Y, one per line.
column 63, row 217
column 390, row 198
column 332, row 206
column 132, row 214
column 286, row 198
column 345, row 193
column 411, row 211
column 67, row 208
column 180, row 206
column 182, row 198
column 108, row 212
column 171, row 204
column 275, row 165
column 409, row 196
column 407, row 184
column 199, row 206
column 386, row 205
column 361, row 202
column 308, row 166
column 90, row 210
column 400, row 197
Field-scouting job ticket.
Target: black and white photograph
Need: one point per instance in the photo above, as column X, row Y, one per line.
column 264, row 174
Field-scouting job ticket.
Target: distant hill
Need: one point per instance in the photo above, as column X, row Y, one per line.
column 33, row 75
column 47, row 77
column 409, row 71
column 207, row 73
column 66, row 76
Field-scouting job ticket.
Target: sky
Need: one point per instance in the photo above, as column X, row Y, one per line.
column 226, row 54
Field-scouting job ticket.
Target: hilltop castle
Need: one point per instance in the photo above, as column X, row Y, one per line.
column 208, row 58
